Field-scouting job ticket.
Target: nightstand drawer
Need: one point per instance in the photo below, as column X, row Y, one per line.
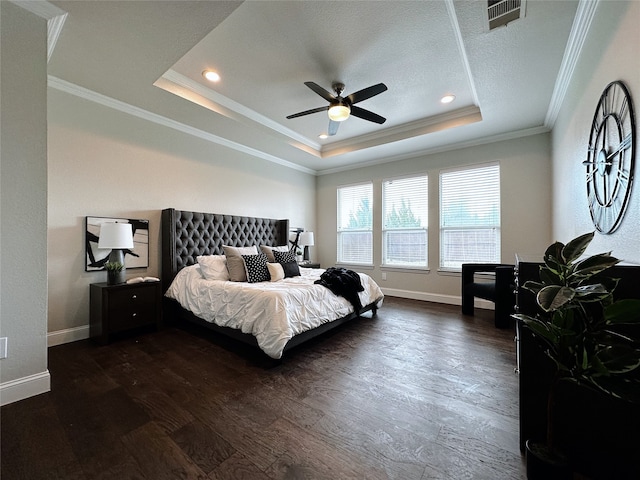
column 123, row 307
column 130, row 318
column 131, row 298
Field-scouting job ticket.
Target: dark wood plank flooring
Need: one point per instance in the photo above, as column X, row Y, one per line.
column 417, row 392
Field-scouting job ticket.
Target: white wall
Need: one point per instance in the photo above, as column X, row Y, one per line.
column 525, row 169
column 23, row 192
column 610, row 53
column 103, row 162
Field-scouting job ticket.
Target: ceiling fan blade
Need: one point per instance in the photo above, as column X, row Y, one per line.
column 368, row 92
column 309, row 112
column 333, row 128
column 320, row 91
column 367, row 115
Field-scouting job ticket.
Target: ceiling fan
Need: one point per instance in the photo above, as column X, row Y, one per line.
column 340, row 108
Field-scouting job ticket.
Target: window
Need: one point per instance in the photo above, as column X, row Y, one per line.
column 355, row 224
column 404, row 222
column 469, row 216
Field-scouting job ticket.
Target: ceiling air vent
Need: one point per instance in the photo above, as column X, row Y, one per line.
column 502, row 12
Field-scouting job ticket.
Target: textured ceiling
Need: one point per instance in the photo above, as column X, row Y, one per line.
column 151, row 54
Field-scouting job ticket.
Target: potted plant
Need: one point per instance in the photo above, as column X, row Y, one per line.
column 588, row 336
column 115, row 273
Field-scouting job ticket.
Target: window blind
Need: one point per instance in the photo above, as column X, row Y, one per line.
column 469, row 216
column 355, row 224
column 404, row 222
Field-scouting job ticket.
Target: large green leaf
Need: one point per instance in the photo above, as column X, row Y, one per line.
column 576, row 247
column 591, row 293
column 552, row 297
column 623, row 312
column 551, row 277
column 532, row 286
column 592, row 265
column 541, row 329
column 619, row 358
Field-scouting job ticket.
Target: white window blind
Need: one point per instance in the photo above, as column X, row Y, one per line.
column 355, row 224
column 404, row 222
column 469, row 216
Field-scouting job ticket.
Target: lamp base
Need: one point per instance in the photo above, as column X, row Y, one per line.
column 116, row 255
column 115, row 278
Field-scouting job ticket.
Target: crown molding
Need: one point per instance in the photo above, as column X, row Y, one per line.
column 527, row 132
column 106, row 101
column 455, row 118
column 225, row 106
column 453, row 17
column 581, row 25
column 55, row 19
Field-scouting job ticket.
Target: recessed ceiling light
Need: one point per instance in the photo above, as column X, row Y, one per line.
column 211, row 75
column 448, row 98
column 322, row 136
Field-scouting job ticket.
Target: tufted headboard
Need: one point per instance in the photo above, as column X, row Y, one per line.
column 185, row 235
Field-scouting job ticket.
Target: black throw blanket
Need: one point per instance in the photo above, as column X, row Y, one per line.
column 343, row 282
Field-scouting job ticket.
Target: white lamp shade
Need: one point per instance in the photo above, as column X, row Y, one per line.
column 115, row 235
column 306, row 239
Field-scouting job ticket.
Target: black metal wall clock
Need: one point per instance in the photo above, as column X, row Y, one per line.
column 610, row 157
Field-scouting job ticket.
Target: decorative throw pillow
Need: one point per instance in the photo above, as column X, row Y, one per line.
column 235, row 263
column 213, row 267
column 284, row 257
column 256, row 266
column 291, row 269
column 276, row 272
column 268, row 251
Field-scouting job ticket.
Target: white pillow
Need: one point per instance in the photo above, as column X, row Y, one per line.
column 235, row 263
column 276, row 271
column 213, row 267
column 268, row 251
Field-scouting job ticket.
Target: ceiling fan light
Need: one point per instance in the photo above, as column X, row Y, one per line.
column 339, row 113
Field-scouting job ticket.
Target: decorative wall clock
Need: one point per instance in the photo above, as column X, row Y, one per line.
column 610, row 157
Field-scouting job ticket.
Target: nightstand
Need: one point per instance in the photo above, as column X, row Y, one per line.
column 123, row 307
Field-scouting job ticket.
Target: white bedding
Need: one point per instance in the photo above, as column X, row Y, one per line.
column 273, row 312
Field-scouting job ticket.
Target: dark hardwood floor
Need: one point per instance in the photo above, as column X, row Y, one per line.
column 417, row 392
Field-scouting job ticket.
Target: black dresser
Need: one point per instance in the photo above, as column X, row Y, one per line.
column 603, row 433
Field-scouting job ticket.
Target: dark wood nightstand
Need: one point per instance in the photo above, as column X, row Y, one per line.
column 118, row 308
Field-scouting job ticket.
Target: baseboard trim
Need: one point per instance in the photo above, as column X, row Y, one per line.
column 67, row 335
column 435, row 297
column 25, row 387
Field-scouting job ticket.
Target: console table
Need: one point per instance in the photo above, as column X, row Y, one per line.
column 606, row 440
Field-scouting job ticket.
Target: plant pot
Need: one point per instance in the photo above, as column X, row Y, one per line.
column 544, row 464
column 115, row 278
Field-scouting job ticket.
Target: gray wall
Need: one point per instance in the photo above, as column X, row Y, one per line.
column 104, row 162
column 23, row 193
column 610, row 53
column 525, row 169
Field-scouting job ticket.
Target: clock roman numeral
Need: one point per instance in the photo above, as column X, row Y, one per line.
column 624, row 109
column 626, row 142
column 605, row 103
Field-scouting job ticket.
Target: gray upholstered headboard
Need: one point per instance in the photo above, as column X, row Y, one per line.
column 185, row 235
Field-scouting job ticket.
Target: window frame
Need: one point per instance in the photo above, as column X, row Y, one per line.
column 384, row 230
column 496, row 228
column 340, row 231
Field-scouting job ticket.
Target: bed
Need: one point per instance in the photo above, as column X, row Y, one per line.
column 309, row 309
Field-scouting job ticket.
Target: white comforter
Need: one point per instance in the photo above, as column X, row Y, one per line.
column 273, row 312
